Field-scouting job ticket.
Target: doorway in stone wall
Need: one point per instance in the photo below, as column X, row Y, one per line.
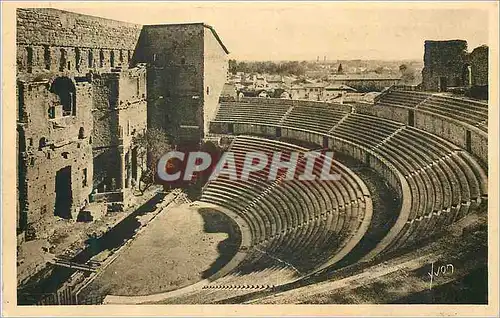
column 443, row 84
column 64, row 197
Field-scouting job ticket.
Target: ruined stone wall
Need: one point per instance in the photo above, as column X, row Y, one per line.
column 120, row 112
column 50, row 40
column 132, row 120
column 105, row 133
column 214, row 73
column 444, row 63
column 479, row 65
column 47, row 145
column 115, row 98
column 450, row 130
column 174, row 54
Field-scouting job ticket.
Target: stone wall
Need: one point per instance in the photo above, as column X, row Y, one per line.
column 132, row 120
column 215, row 70
column 479, row 65
column 444, row 64
column 105, row 135
column 49, row 145
column 187, row 68
column 453, row 131
column 174, row 54
column 50, row 40
column 105, row 97
column 120, row 113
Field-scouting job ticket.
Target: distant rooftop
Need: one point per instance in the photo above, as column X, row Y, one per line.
column 366, row 77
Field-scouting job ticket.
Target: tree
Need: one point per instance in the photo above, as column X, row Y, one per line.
column 340, row 70
column 233, row 66
column 269, row 67
column 156, row 143
column 379, row 70
column 407, row 74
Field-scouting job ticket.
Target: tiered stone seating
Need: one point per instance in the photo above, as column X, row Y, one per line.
column 462, row 110
column 366, row 130
column 467, row 111
column 251, row 111
column 403, row 98
column 442, row 183
column 296, row 225
column 317, row 117
column 445, row 182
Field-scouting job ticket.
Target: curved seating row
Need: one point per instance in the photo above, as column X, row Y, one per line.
column 445, row 182
column 364, row 129
column 251, row 111
column 282, row 112
column 314, row 115
column 297, row 226
column 402, row 98
column 470, row 112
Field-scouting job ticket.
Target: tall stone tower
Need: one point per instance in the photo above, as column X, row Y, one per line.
column 445, row 64
column 187, row 69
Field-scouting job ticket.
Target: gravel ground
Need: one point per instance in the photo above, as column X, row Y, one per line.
column 174, row 251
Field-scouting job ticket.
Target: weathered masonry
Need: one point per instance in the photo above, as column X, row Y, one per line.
column 448, row 64
column 187, row 69
column 85, row 87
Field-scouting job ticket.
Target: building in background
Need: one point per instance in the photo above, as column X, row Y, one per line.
column 311, row 91
column 365, row 82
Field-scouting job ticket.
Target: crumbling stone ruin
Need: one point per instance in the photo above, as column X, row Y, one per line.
column 85, row 87
column 448, row 64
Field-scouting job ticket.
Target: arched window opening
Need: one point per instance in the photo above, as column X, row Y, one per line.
column 64, row 88
column 52, row 111
column 81, row 133
column 42, row 143
column 112, row 58
column 62, row 62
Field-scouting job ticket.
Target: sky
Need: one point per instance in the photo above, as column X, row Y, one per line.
column 303, row 31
